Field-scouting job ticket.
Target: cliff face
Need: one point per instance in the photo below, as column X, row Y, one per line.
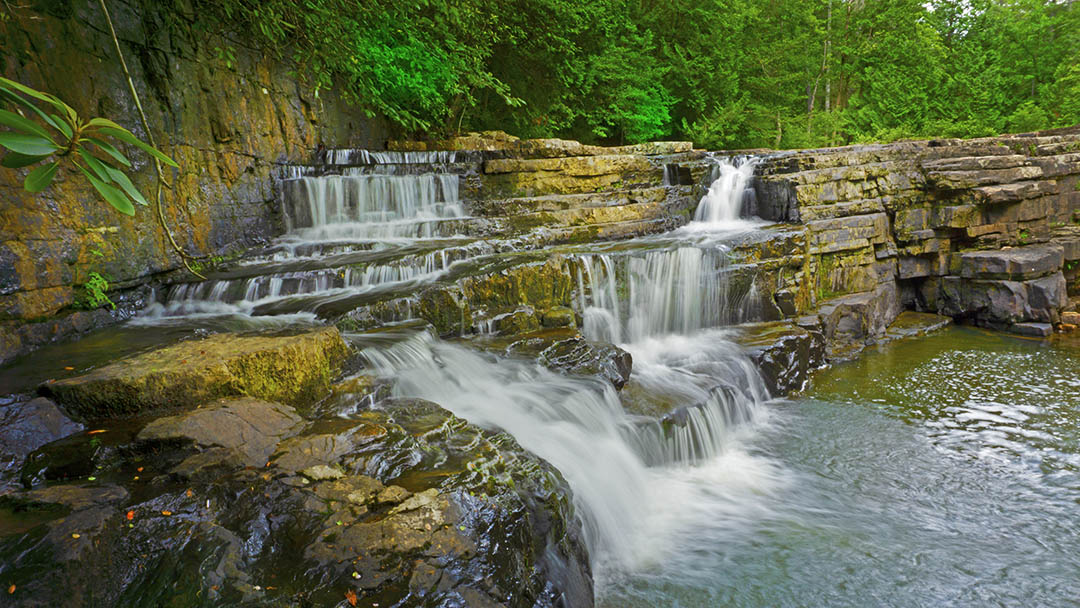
column 985, row 230
column 228, row 114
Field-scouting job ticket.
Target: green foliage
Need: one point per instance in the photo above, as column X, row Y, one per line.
column 93, row 293
column 725, row 73
column 63, row 137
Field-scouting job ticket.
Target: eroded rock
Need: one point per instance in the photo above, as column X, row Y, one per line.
column 294, row 370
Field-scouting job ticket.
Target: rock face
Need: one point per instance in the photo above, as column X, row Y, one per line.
column 227, row 123
column 293, row 369
column 979, row 230
column 404, row 504
column 784, row 353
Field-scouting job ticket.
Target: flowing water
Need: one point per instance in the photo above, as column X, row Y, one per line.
column 922, row 475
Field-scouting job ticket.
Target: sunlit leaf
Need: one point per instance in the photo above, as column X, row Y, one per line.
column 14, row 160
column 40, row 178
column 25, row 125
column 112, row 195
column 30, row 145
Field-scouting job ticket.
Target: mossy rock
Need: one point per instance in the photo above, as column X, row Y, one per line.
column 294, row 369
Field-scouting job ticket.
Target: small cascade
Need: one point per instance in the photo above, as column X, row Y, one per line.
column 370, row 206
column 632, row 297
column 619, row 466
column 723, row 203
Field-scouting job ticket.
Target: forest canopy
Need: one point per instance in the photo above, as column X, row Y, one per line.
column 724, row 73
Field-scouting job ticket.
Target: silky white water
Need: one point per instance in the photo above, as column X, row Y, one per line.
column 634, row 479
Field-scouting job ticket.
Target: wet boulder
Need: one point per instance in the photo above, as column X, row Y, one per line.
column 291, row 369
column 422, row 508
column 586, row 358
column 785, row 354
column 25, row 427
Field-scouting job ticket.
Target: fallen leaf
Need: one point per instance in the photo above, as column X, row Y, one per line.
column 75, row 535
column 95, row 431
column 183, row 361
column 11, row 589
column 69, row 368
column 136, row 478
column 91, row 478
column 189, row 493
column 130, row 515
column 139, row 469
column 350, row 595
column 166, row 513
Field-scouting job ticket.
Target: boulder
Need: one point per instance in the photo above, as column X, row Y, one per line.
column 293, row 369
column 25, row 427
column 250, row 428
column 408, row 506
column 785, row 354
column 583, row 357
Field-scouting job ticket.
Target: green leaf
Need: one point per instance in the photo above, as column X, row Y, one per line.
column 95, row 165
column 25, row 125
column 122, row 180
column 27, row 144
column 40, row 178
column 51, row 99
column 111, row 151
column 14, row 160
column 111, row 194
column 60, row 124
column 104, row 122
column 126, row 136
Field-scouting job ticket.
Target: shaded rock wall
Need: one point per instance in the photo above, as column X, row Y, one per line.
column 982, row 230
column 228, row 122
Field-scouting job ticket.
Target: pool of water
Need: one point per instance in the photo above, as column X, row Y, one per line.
column 931, row 472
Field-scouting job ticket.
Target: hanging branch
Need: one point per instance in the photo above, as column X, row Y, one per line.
column 162, row 182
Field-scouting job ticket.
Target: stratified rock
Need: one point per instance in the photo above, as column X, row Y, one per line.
column 1015, row 263
column 250, row 428
column 295, row 370
column 784, row 354
column 912, row 324
column 583, row 357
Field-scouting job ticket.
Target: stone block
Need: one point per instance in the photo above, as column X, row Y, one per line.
column 1017, row 263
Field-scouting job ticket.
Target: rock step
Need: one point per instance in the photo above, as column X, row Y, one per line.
column 295, row 370
column 562, row 202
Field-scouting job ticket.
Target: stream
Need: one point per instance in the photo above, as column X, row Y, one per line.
column 936, row 471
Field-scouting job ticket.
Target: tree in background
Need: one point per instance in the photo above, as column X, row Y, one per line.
column 725, row 73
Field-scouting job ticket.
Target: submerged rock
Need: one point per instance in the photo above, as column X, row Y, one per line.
column 293, row 369
column 24, row 427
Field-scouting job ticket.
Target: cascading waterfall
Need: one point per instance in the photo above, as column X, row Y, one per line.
column 620, row 467
column 723, row 203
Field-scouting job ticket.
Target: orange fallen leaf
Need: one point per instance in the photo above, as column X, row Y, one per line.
column 166, row 513
column 11, row 589
column 95, row 431
column 139, row 469
column 130, row 515
column 69, row 368
column 350, row 595
column 189, row 493
column 183, row 361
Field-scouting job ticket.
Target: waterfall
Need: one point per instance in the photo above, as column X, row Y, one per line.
column 630, row 297
column 623, row 469
column 723, row 203
column 370, row 206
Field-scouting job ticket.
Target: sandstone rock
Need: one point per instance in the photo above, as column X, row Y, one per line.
column 24, row 427
column 1002, row 302
column 910, row 324
column 295, row 370
column 849, row 322
column 559, row 316
column 1072, row 318
column 1037, row 330
column 785, row 354
column 580, row 356
column 1017, row 263
column 249, row 427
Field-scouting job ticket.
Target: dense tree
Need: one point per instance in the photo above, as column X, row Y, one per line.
column 726, row 73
